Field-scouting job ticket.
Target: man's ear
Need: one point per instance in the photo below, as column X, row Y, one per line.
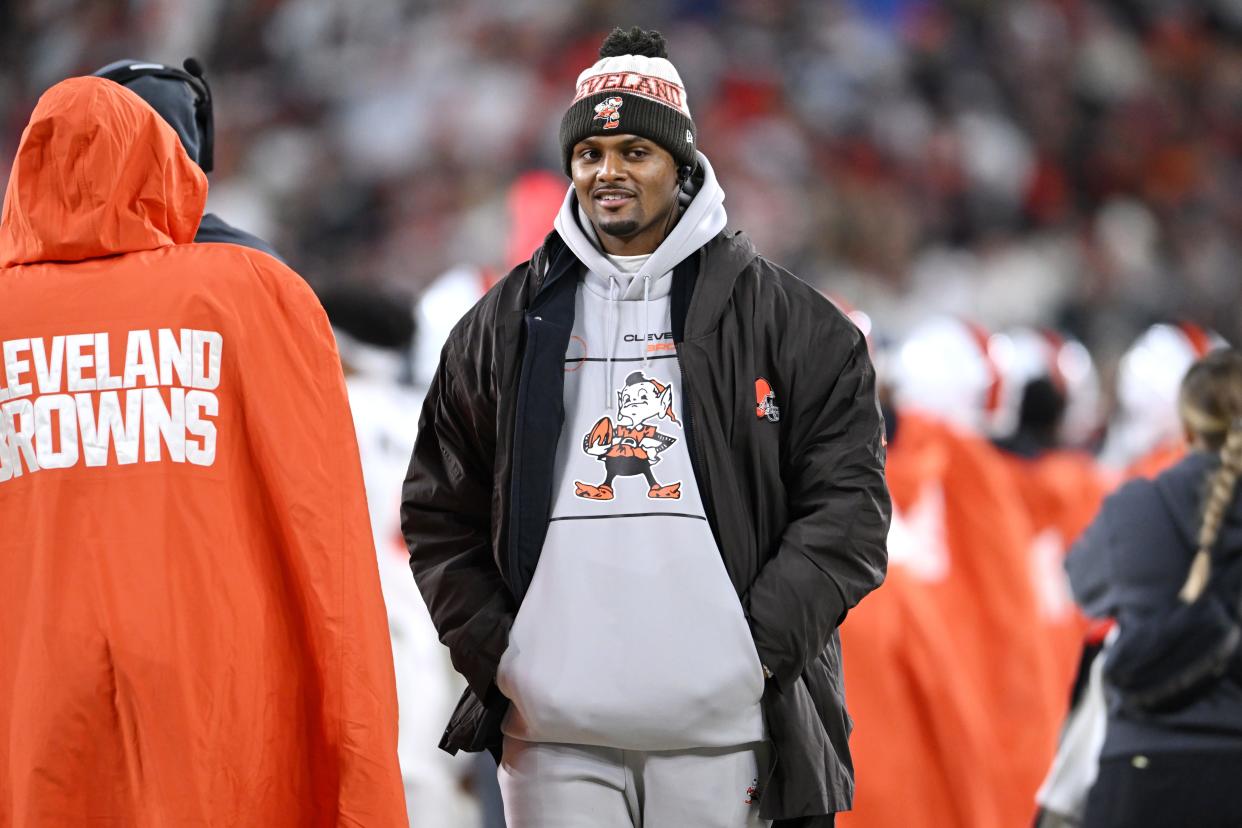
column 620, row 397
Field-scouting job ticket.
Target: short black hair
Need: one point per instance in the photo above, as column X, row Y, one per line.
column 634, row 42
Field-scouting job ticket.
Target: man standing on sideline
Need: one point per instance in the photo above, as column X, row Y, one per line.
column 647, row 487
column 191, row 624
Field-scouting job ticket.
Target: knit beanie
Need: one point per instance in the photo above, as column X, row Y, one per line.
column 632, row 89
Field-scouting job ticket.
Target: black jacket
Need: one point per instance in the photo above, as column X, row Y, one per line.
column 213, row 229
column 799, row 508
column 1129, row 564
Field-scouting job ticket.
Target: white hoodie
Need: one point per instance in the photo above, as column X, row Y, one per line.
column 631, row 634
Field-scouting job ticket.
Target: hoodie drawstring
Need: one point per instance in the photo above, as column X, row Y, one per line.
column 613, row 323
column 646, row 321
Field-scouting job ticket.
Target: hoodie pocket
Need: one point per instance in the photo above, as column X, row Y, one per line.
column 632, row 636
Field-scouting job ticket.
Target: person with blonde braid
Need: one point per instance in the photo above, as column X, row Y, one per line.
column 1156, row 545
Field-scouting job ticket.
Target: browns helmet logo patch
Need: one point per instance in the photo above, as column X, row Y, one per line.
column 765, row 401
column 609, row 111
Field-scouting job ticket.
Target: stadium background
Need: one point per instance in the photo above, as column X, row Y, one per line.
column 1055, row 162
column 1060, row 163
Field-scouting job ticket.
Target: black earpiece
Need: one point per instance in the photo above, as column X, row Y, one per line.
column 684, row 172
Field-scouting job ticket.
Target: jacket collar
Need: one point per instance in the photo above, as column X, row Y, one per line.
column 724, row 259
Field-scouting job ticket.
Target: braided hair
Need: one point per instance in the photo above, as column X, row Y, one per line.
column 1210, row 404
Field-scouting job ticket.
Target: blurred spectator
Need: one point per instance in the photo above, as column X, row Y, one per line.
column 374, row 333
column 1158, row 554
column 530, row 205
column 1146, row 436
column 954, row 647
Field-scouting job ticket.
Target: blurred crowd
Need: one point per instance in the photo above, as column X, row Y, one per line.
column 1071, row 163
column 1031, row 165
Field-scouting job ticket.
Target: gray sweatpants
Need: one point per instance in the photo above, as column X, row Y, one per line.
column 547, row 785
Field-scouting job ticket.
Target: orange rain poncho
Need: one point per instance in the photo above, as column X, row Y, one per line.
column 1062, row 491
column 948, row 667
column 191, row 626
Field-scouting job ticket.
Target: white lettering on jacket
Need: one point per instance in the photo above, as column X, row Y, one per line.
column 61, row 405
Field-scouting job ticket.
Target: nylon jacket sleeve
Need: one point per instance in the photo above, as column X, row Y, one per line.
column 833, row 551
column 1131, row 558
column 301, row 435
column 1087, row 565
column 445, row 516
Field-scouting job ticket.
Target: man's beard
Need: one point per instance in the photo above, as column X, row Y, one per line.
column 619, row 228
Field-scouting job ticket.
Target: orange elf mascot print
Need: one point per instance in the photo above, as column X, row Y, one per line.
column 634, row 445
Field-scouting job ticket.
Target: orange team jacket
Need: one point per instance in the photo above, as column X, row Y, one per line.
column 191, row 626
column 946, row 669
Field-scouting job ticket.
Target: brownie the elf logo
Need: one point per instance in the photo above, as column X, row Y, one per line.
column 632, row 445
column 609, row 111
